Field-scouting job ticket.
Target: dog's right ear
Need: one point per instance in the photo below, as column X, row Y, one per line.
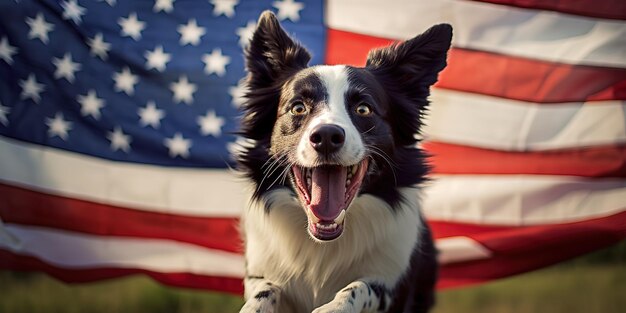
column 272, row 54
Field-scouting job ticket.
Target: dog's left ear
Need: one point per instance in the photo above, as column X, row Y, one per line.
column 272, row 54
column 416, row 62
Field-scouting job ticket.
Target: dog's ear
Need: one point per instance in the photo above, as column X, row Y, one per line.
column 407, row 70
column 272, row 54
column 415, row 62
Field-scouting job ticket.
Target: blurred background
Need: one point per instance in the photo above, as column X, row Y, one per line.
column 116, row 131
column 592, row 283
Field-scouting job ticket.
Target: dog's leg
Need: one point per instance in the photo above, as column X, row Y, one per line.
column 364, row 295
column 264, row 296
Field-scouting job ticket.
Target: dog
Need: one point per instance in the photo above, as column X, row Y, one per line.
column 334, row 223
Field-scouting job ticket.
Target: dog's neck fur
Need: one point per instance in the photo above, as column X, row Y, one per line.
column 374, row 242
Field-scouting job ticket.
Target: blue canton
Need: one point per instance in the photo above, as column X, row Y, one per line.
column 155, row 82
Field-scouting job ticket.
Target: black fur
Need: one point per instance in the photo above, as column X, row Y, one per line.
column 415, row 292
column 271, row 59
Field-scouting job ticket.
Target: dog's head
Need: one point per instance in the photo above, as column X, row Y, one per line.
column 331, row 133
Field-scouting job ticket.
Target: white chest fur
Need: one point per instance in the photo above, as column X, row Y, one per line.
column 377, row 242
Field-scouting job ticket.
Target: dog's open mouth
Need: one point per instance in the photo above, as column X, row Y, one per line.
column 327, row 191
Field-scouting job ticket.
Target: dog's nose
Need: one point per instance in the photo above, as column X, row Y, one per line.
column 327, row 138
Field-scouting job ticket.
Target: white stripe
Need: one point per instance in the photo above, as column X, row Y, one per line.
column 508, row 199
column 517, row 200
column 543, row 35
column 504, row 124
column 162, row 189
column 81, row 251
column 335, row 80
column 460, row 249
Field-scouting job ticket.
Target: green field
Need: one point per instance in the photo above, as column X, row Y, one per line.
column 594, row 283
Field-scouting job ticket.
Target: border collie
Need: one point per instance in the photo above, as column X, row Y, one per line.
column 334, row 224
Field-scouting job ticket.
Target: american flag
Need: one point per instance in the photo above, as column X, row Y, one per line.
column 116, row 122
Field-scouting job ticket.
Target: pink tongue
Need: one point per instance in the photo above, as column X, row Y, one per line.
column 328, row 191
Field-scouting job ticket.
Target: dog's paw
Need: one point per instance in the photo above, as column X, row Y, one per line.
column 335, row 307
column 264, row 301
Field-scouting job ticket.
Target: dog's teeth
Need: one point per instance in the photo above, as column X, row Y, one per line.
column 332, row 226
column 341, row 216
column 354, row 169
column 348, row 181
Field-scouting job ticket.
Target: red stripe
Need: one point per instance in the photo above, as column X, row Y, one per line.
column 351, row 48
column 606, row 161
column 521, row 249
column 508, row 76
column 17, row 262
column 610, row 9
column 515, row 250
column 530, row 80
column 24, row 206
column 615, row 224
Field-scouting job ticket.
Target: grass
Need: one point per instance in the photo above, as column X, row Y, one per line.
column 591, row 288
column 595, row 283
column 34, row 292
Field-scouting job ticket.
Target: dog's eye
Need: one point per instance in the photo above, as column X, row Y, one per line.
column 298, row 108
column 363, row 109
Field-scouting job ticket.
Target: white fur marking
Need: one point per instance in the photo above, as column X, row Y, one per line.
column 376, row 242
column 335, row 80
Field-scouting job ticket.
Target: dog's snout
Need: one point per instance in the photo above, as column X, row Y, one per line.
column 327, row 138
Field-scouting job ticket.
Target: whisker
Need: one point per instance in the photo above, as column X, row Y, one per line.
column 275, row 164
column 367, row 131
column 271, row 160
column 382, row 154
column 386, row 158
column 282, row 175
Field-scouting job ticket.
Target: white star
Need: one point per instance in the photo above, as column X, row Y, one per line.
column 245, row 33
column 237, row 93
column 150, row 115
column 98, row 46
column 288, row 9
column 163, row 5
column 226, row 7
column 90, row 104
column 31, row 89
column 211, row 124
column 131, row 26
column 4, row 111
column 73, row 11
column 39, row 28
column 125, row 81
column 157, row 59
column 65, row 68
column 215, row 62
column 178, row 145
column 7, row 51
column 57, row 126
column 183, row 90
column 119, row 140
column 110, row 2
column 190, row 33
